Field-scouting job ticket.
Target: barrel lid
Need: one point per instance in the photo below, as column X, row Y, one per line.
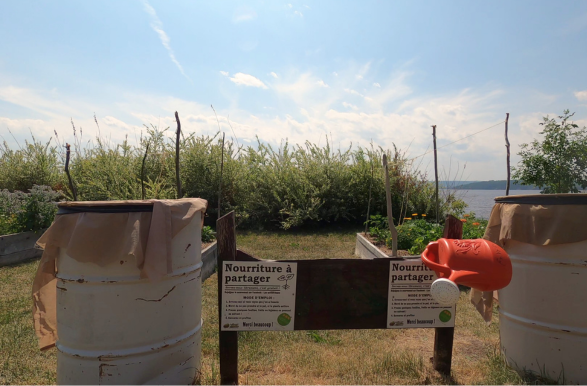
column 544, row 199
column 119, row 206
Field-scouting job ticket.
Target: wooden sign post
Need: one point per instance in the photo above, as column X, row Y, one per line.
column 228, row 340
column 330, row 294
column 444, row 337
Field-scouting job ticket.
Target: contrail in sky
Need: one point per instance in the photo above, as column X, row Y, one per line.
column 158, row 27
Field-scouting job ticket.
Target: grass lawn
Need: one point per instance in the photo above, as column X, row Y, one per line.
column 297, row 357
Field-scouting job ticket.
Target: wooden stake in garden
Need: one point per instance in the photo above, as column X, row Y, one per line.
column 507, row 145
column 71, row 186
column 143, row 173
column 444, row 336
column 435, row 170
column 179, row 195
column 389, row 209
column 220, row 183
column 369, row 202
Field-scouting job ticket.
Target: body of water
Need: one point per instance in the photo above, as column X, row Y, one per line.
column 481, row 201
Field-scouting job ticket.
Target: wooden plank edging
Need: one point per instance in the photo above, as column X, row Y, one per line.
column 366, row 250
column 209, row 256
column 20, row 247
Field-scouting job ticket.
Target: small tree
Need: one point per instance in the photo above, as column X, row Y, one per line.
column 558, row 164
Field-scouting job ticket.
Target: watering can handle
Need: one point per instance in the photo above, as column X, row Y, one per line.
column 430, row 257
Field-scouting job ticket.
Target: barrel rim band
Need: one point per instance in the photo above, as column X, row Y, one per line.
column 104, row 209
column 131, row 351
column 542, row 325
column 133, row 278
column 544, row 199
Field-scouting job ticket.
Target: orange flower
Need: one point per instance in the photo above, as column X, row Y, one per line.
column 475, row 223
column 464, row 220
column 423, row 215
column 467, row 215
column 407, row 218
column 414, row 214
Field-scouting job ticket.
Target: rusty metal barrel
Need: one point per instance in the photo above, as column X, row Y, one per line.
column 116, row 327
column 543, row 312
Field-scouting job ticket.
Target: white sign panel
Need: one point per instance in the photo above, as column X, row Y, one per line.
column 258, row 296
column 410, row 304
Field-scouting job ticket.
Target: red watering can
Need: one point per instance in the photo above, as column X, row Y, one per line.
column 477, row 263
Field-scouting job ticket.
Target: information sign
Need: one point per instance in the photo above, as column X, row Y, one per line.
column 258, row 296
column 410, row 304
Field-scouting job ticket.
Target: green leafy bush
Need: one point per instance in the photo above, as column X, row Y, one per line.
column 208, row 234
column 286, row 187
column 34, row 164
column 23, row 212
column 415, row 233
column 473, row 227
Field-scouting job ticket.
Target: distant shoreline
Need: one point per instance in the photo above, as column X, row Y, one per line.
column 493, row 185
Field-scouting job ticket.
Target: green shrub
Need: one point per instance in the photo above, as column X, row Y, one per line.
column 23, row 212
column 34, row 164
column 286, row 187
column 473, row 227
column 208, row 234
column 415, row 233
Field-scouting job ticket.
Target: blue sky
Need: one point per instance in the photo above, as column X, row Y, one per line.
column 357, row 71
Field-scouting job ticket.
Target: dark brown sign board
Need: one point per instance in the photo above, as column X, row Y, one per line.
column 332, row 294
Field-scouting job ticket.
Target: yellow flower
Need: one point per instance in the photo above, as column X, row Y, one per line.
column 407, row 218
column 414, row 214
column 423, row 215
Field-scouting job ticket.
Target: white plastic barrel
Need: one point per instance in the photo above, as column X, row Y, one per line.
column 116, row 328
column 543, row 311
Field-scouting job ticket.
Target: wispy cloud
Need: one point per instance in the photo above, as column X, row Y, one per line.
column 355, row 92
column 574, row 25
column 321, row 83
column 243, row 14
column 350, row 106
column 317, row 111
column 225, row 73
column 274, row 75
column 157, row 26
column 247, row 80
column 298, row 13
column 377, row 85
column 581, row 95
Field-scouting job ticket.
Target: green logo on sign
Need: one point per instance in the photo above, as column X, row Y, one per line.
column 444, row 316
column 284, row 319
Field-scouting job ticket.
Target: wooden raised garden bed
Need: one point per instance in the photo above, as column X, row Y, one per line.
column 209, row 254
column 19, row 247
column 368, row 248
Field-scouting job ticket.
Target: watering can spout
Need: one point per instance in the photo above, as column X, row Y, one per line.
column 478, row 264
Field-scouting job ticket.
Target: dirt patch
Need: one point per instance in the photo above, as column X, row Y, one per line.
column 206, row 245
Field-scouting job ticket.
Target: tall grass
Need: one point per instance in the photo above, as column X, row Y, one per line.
column 286, row 186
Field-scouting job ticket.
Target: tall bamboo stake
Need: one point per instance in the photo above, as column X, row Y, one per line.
column 177, row 156
column 507, row 145
column 435, row 171
column 389, row 209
